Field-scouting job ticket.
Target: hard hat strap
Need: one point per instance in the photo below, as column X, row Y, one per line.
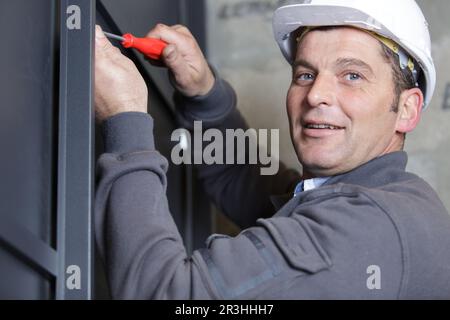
column 406, row 62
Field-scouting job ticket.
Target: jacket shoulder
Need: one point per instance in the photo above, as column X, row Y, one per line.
column 423, row 227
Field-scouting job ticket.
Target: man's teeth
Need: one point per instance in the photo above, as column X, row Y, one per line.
column 322, row 126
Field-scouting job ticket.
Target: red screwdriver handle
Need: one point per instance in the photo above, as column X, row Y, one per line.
column 150, row 47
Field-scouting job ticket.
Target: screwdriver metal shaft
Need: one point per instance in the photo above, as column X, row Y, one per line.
column 114, row 36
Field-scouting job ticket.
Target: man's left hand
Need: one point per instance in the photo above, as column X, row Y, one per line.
column 119, row 87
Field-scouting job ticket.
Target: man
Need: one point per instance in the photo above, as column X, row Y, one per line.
column 357, row 226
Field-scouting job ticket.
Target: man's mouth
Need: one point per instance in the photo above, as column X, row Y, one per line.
column 317, row 129
column 322, row 127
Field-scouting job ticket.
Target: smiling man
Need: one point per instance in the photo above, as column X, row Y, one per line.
column 343, row 107
column 354, row 225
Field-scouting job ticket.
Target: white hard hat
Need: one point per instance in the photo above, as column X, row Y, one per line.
column 402, row 21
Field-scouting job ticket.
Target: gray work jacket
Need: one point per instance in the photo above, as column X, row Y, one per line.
column 377, row 232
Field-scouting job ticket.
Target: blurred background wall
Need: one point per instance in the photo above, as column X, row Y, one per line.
column 242, row 47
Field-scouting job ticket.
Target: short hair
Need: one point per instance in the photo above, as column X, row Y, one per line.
column 403, row 80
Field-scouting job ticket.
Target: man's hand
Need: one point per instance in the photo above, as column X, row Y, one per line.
column 185, row 60
column 118, row 85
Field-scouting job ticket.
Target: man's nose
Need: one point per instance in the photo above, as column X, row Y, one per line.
column 322, row 92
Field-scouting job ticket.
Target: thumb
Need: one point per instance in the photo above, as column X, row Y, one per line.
column 102, row 43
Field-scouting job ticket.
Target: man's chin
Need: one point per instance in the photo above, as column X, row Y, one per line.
column 319, row 164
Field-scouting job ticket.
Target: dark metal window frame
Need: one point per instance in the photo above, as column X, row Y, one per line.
column 75, row 165
column 76, row 151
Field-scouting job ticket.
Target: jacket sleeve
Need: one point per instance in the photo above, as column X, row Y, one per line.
column 240, row 191
column 309, row 253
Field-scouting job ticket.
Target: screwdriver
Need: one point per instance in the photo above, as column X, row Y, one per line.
column 150, row 47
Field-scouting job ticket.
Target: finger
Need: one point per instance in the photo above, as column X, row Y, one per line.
column 175, row 62
column 102, row 44
column 182, row 29
column 155, row 32
column 104, row 50
column 168, row 35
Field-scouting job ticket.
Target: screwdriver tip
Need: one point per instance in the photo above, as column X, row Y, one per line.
column 114, row 36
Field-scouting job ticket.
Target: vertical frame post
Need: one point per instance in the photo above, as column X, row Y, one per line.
column 75, row 150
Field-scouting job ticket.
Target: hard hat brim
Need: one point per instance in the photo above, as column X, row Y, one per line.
column 290, row 18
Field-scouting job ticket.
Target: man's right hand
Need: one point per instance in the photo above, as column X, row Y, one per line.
column 185, row 60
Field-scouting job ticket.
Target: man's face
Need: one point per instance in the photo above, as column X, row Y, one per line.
column 340, row 101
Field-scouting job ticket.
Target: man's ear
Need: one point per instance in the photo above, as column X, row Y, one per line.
column 410, row 110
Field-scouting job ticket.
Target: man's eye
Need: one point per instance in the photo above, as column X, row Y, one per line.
column 305, row 77
column 353, row 76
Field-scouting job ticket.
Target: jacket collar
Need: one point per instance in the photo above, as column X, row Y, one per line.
column 375, row 173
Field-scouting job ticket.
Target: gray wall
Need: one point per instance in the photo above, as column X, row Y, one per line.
column 241, row 45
